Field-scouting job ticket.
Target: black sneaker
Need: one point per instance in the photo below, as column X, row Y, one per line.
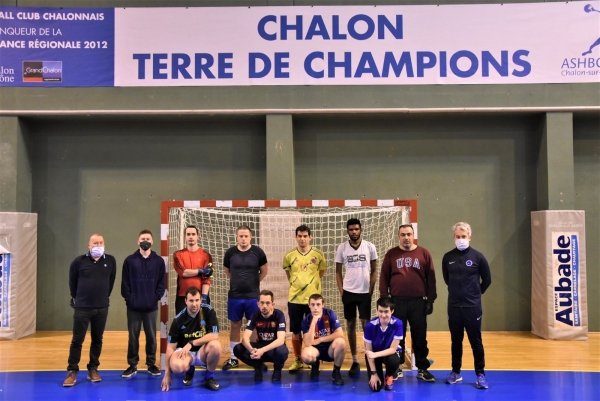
column 189, row 376
column 276, row 378
column 153, row 370
column 398, row 373
column 130, row 371
column 314, row 370
column 258, row 376
column 230, row 364
column 354, row 369
column 211, row 384
column 336, row 376
column 264, row 367
column 424, row 374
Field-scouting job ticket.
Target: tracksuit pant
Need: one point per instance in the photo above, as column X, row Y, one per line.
column 469, row 319
column 413, row 312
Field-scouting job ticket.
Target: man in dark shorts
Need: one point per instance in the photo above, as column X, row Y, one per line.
column 245, row 266
column 323, row 339
column 382, row 345
column 269, row 324
column 359, row 258
column 407, row 274
column 193, row 341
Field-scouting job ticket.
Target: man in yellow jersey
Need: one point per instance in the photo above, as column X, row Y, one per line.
column 304, row 267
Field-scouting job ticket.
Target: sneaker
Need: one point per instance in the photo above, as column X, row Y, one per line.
column 189, row 376
column 211, row 384
column 453, row 378
column 314, row 370
column 71, row 379
column 398, row 373
column 297, row 365
column 153, row 370
column 230, row 364
column 481, row 381
column 336, row 376
column 354, row 369
column 389, row 383
column 276, row 378
column 93, row 376
column 258, row 375
column 424, row 374
column 130, row 371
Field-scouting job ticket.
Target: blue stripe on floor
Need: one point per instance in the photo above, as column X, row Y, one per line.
column 504, row 385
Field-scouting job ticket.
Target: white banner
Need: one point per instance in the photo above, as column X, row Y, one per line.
column 358, row 45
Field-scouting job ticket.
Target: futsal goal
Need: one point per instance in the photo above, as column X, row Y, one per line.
column 273, row 224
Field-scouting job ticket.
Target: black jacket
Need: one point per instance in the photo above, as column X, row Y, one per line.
column 467, row 275
column 91, row 281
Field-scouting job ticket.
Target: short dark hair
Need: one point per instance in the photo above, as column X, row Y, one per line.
column 145, row 231
column 192, row 291
column 194, row 227
column 352, row 222
column 302, row 229
column 268, row 293
column 316, row 297
column 243, row 227
column 385, row 302
column 406, row 226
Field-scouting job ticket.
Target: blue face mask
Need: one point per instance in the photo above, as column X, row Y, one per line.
column 97, row 251
column 462, row 244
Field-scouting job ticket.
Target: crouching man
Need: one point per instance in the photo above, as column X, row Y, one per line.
column 269, row 324
column 193, row 341
column 382, row 345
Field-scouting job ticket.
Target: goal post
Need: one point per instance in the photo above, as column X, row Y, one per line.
column 273, row 223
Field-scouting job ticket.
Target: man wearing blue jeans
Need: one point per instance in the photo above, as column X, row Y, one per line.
column 91, row 280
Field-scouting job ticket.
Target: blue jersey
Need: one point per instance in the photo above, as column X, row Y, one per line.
column 327, row 324
column 382, row 339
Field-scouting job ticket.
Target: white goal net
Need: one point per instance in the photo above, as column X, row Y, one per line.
column 274, row 231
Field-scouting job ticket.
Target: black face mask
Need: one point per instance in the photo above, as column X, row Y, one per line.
column 145, row 245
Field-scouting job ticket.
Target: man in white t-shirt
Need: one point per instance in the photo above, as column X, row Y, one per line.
column 359, row 258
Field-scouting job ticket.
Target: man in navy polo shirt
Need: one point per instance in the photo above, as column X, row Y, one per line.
column 323, row 338
column 269, row 324
column 382, row 345
column 91, row 280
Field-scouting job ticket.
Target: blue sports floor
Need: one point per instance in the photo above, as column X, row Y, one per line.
column 239, row 386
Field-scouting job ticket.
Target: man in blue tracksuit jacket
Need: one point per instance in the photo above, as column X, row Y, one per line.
column 142, row 286
column 467, row 275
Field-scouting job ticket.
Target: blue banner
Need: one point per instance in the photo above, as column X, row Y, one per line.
column 57, row 47
column 4, row 290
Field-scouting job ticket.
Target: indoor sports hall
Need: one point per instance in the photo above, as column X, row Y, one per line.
column 124, row 115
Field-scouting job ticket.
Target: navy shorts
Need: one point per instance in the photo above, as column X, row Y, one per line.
column 324, row 352
column 238, row 308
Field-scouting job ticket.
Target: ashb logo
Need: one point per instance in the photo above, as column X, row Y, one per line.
column 589, row 61
column 42, row 71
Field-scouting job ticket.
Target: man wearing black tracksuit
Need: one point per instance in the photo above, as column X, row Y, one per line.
column 467, row 274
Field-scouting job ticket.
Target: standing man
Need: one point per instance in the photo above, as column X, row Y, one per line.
column 91, row 280
column 269, row 324
column 323, row 338
column 193, row 266
column 407, row 274
column 382, row 345
column 467, row 275
column 142, row 286
column 193, row 341
column 245, row 266
column 359, row 257
column 304, row 267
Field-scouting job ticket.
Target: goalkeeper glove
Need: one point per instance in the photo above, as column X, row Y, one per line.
column 428, row 307
column 207, row 271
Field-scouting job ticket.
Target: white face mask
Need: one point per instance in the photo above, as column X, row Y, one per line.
column 461, row 244
column 97, row 251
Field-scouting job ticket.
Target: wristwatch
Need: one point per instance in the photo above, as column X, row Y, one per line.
column 373, row 373
column 191, row 343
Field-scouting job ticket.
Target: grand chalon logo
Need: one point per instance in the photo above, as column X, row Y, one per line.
column 42, row 71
